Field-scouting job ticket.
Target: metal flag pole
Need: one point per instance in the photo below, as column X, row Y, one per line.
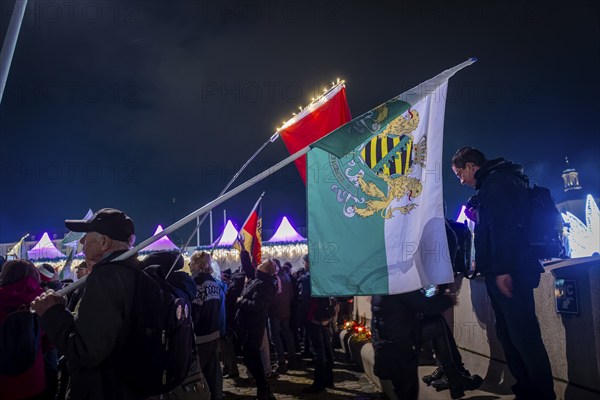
column 202, row 210
column 224, row 196
column 10, row 42
column 272, row 139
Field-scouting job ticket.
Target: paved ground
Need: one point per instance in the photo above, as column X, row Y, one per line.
column 350, row 384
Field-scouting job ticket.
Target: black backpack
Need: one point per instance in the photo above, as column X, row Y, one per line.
column 19, row 341
column 159, row 350
column 545, row 225
column 459, row 245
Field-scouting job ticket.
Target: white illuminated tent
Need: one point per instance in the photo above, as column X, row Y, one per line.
column 44, row 249
column 286, row 233
column 227, row 237
column 164, row 243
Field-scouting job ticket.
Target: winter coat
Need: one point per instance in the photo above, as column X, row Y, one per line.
column 234, row 290
column 32, row 382
column 92, row 341
column 254, row 307
column 282, row 301
column 502, row 204
column 206, row 308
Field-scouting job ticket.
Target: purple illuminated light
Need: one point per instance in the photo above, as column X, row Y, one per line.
column 228, row 236
column 44, row 249
column 286, row 233
column 164, row 243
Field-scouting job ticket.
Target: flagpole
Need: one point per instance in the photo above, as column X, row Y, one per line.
column 18, row 246
column 202, row 210
column 10, row 42
column 199, row 222
column 197, row 231
column 253, row 208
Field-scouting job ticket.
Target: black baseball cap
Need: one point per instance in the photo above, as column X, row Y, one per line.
column 108, row 221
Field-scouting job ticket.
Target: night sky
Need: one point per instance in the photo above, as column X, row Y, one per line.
column 151, row 106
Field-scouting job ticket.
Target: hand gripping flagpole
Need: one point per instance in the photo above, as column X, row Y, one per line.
column 202, row 210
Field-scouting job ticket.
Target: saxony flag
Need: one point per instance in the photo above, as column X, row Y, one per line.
column 375, row 206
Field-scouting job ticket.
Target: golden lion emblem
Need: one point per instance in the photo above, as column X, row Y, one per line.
column 397, row 189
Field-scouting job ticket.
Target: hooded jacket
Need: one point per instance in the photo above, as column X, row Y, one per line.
column 502, row 204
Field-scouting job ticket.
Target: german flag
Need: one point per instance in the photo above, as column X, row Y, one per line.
column 250, row 236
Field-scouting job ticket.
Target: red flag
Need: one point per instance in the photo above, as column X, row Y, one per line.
column 317, row 120
column 250, row 236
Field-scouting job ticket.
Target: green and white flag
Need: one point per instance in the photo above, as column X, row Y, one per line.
column 375, row 206
column 76, row 236
column 66, row 272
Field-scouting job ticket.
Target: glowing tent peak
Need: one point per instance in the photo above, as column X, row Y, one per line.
column 44, row 249
column 286, row 233
column 164, row 243
column 228, row 236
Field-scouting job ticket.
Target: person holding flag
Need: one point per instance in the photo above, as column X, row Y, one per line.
column 250, row 236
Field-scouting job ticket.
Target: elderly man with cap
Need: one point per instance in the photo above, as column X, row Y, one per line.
column 91, row 340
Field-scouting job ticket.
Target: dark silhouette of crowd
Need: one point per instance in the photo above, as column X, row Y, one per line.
column 262, row 312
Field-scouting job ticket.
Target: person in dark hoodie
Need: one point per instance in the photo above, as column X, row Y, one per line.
column 252, row 319
column 206, row 308
column 500, row 210
column 91, row 340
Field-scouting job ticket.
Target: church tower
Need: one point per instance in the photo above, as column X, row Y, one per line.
column 570, row 177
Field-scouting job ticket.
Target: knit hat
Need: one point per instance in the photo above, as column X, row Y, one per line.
column 47, row 272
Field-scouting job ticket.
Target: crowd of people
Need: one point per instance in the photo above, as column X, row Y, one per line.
column 260, row 312
column 77, row 342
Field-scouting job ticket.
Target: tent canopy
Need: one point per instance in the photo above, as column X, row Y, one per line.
column 286, row 233
column 164, row 243
column 228, row 236
column 44, row 249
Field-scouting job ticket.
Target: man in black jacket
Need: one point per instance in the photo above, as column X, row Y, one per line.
column 500, row 209
column 91, row 341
